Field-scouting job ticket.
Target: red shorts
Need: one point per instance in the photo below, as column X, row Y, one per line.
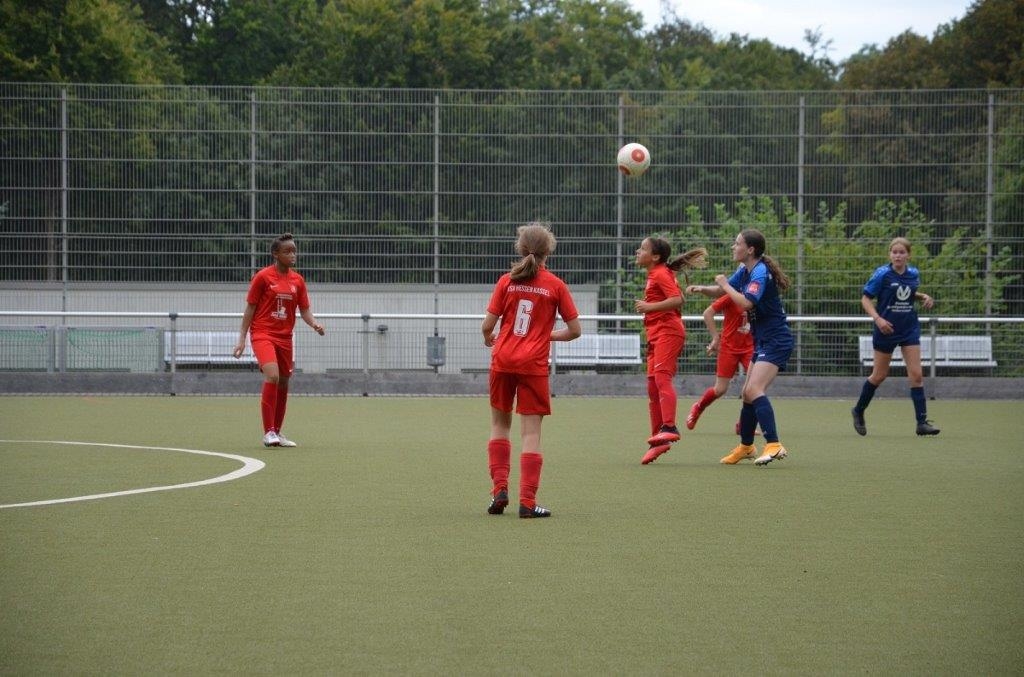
column 267, row 350
column 729, row 363
column 663, row 354
column 531, row 394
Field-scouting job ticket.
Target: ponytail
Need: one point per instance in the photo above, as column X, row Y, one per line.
column 693, row 259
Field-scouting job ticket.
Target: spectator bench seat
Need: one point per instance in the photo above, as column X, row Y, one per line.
column 597, row 350
column 206, row 347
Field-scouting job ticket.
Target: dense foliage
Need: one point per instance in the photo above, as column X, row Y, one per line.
column 466, row 44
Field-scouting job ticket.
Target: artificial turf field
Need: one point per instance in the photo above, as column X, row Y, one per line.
column 367, row 549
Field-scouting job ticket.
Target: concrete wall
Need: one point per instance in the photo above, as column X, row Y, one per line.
column 572, row 384
column 350, row 344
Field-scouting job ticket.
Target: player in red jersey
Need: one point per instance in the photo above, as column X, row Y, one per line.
column 666, row 335
column 526, row 300
column 734, row 345
column 269, row 318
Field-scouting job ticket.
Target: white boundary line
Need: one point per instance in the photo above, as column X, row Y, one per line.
column 249, row 466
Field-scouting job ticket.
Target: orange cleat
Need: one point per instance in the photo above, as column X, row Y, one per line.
column 741, row 452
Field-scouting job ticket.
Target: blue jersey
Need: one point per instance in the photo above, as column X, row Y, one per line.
column 767, row 317
column 895, row 293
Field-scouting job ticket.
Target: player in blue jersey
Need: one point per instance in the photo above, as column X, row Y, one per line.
column 755, row 287
column 895, row 288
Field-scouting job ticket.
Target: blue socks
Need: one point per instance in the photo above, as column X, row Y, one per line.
column 920, row 407
column 748, row 422
column 766, row 417
column 867, row 392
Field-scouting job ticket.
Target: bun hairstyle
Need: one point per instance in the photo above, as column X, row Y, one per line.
column 534, row 243
column 279, row 242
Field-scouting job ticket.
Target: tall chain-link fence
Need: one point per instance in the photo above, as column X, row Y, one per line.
column 175, row 184
column 110, row 187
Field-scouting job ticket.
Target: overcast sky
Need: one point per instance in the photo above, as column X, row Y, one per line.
column 849, row 24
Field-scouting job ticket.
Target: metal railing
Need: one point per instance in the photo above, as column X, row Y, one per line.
column 442, row 343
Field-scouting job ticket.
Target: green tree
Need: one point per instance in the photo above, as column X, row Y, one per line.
column 81, row 41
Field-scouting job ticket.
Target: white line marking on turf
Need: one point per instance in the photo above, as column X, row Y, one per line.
column 249, row 466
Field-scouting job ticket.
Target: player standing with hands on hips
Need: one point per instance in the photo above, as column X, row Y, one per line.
column 526, row 300
column 755, row 288
column 269, row 319
column 666, row 335
column 896, row 324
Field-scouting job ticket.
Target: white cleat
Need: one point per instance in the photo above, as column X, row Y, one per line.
column 271, row 439
column 772, row 452
column 283, row 441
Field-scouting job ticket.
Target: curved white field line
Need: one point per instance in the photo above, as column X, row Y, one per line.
column 249, row 466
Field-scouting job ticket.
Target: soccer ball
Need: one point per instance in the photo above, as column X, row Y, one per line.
column 634, row 159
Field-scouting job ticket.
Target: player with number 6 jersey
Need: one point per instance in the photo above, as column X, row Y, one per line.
column 526, row 300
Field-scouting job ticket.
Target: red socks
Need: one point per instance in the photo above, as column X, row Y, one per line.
column 498, row 454
column 268, row 405
column 654, row 404
column 667, row 399
column 529, row 477
column 707, row 398
column 282, row 404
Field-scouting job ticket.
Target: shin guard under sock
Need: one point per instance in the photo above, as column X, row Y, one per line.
column 706, row 399
column 766, row 417
column 653, row 405
column 920, row 406
column 530, row 463
column 667, row 399
column 499, row 453
column 268, row 405
column 282, row 404
column 748, row 423
column 867, row 392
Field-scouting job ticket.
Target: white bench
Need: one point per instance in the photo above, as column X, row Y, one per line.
column 206, row 347
column 596, row 350
column 950, row 351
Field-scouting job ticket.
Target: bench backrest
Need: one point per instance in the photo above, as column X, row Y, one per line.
column 205, row 346
column 599, row 349
column 949, row 351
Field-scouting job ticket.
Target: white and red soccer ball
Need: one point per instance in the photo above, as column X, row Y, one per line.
column 634, row 159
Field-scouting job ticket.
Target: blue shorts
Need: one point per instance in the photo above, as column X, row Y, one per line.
column 774, row 352
column 887, row 344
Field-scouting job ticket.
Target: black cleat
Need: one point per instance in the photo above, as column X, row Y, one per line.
column 535, row 511
column 858, row 422
column 926, row 428
column 498, row 503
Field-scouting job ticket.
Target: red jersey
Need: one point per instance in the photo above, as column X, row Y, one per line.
column 661, row 285
column 276, row 295
column 527, row 310
column 733, row 339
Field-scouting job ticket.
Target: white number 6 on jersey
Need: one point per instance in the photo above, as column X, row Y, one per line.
column 522, row 323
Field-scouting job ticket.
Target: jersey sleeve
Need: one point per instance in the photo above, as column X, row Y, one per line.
column 256, row 288
column 496, row 305
column 757, row 283
column 302, row 297
column 874, row 283
column 566, row 305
